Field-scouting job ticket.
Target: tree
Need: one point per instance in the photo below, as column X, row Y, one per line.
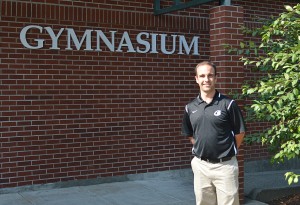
column 277, row 93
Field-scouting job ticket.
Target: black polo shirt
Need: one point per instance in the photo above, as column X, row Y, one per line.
column 213, row 126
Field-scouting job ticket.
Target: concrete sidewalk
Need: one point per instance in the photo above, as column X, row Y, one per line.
column 164, row 188
column 144, row 192
column 261, row 184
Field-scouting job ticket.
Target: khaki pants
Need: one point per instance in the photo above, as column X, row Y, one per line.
column 216, row 183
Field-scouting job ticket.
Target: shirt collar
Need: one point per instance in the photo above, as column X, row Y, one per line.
column 215, row 100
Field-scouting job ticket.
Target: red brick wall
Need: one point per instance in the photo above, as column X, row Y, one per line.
column 68, row 114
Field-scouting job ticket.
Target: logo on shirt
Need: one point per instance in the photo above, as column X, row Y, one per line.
column 194, row 111
column 217, row 113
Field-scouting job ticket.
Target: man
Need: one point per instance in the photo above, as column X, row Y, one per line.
column 215, row 126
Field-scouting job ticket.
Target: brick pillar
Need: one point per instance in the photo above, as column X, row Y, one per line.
column 225, row 28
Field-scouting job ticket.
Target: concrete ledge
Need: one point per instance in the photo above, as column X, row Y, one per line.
column 266, row 165
column 265, row 181
column 268, row 195
column 253, row 202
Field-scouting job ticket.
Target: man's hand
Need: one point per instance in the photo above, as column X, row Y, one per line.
column 239, row 139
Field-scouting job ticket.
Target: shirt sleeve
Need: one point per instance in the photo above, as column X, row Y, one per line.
column 236, row 119
column 186, row 128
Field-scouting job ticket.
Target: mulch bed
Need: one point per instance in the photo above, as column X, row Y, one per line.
column 293, row 199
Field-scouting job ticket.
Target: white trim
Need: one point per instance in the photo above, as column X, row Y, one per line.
column 235, row 148
column 230, row 104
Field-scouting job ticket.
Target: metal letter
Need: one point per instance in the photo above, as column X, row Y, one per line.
column 24, row 41
column 183, row 43
column 109, row 44
column 163, row 44
column 127, row 43
column 143, row 42
column 54, row 37
column 153, row 41
column 86, row 35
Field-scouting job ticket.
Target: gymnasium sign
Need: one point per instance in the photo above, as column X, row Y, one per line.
column 97, row 40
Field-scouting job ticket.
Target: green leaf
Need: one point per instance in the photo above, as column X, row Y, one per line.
column 288, row 174
column 242, row 45
column 296, row 91
column 290, row 96
column 251, row 44
column 266, row 61
column 290, row 180
column 296, row 180
column 294, row 58
column 286, row 76
column 295, row 82
column 280, row 93
column 255, row 51
column 270, row 108
column 289, row 8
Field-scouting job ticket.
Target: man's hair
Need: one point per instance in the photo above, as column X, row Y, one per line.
column 206, row 63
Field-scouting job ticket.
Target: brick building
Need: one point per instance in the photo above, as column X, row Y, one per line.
column 95, row 89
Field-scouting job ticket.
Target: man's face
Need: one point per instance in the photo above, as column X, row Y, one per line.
column 206, row 78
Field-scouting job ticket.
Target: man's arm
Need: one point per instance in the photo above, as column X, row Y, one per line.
column 239, row 139
column 192, row 140
column 186, row 127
